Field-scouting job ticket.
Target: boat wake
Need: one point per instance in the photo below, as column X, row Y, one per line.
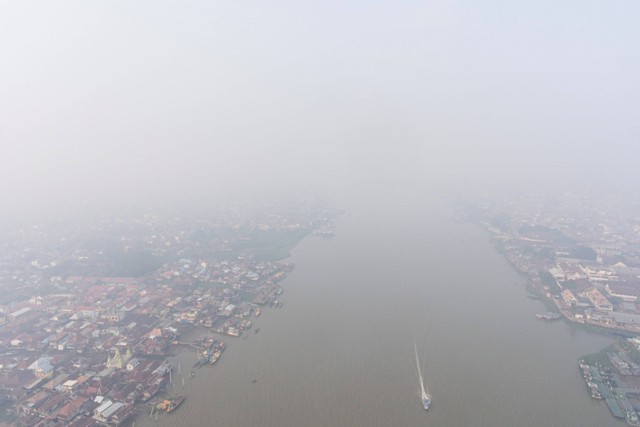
column 424, row 394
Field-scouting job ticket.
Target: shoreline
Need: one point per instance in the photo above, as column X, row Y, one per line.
column 90, row 341
column 622, row 406
column 194, row 332
column 535, row 289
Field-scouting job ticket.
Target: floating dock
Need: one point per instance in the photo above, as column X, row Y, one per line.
column 614, row 408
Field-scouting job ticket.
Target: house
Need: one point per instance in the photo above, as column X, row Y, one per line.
column 73, row 408
column 106, row 410
column 132, row 364
column 42, row 368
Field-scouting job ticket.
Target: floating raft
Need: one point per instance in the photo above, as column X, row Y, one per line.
column 549, row 315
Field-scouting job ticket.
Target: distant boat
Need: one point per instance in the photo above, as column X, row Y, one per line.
column 425, row 396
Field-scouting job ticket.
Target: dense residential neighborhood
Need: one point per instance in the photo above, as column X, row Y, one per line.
column 88, row 349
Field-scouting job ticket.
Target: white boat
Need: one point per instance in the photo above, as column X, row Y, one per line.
column 425, row 396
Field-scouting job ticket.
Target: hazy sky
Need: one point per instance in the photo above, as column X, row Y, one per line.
column 114, row 99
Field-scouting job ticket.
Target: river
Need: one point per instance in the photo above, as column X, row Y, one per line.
column 340, row 350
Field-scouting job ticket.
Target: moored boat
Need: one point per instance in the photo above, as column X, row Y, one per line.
column 170, row 405
column 175, row 403
column 215, row 356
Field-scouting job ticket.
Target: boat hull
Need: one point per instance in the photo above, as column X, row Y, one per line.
column 426, row 404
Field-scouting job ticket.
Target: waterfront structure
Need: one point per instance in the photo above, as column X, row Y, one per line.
column 598, row 300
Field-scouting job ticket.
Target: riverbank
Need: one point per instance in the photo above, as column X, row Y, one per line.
column 613, row 376
column 552, row 294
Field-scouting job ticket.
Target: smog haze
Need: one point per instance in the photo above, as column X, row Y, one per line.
column 121, row 101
